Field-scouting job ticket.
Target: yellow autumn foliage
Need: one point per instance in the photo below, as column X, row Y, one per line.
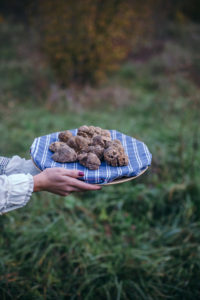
column 84, row 39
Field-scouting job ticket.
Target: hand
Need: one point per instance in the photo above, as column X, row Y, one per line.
column 61, row 182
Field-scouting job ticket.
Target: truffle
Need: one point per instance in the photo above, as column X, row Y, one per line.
column 65, row 154
column 115, row 155
column 86, row 131
column 98, row 140
column 98, row 150
column 89, row 160
column 64, row 136
column 106, row 135
column 123, row 160
column 114, row 143
column 78, row 143
column 56, row 146
column 111, row 156
column 91, row 131
column 98, row 131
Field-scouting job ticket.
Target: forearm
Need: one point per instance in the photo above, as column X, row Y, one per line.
column 16, row 189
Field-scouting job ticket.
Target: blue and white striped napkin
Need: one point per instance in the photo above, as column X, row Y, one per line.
column 137, row 151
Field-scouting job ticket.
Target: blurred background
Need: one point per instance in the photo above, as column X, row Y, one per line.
column 133, row 66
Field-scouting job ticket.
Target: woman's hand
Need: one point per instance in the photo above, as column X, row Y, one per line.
column 61, row 181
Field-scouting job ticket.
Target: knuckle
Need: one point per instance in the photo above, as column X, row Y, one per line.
column 71, row 172
column 74, row 173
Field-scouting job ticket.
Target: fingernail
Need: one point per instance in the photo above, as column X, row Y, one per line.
column 80, row 174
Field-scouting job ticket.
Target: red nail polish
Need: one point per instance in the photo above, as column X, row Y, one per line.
column 80, row 174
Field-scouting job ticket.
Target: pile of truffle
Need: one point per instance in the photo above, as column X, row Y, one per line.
column 90, row 146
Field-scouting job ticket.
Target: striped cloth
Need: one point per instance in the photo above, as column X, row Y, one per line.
column 137, row 151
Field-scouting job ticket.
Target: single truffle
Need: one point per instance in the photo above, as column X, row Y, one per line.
column 115, row 155
column 86, row 131
column 118, row 145
column 98, row 140
column 107, row 144
column 98, row 150
column 89, row 160
column 72, row 142
column 106, row 135
column 123, row 160
column 56, row 146
column 97, row 131
column 64, row 136
column 65, row 154
column 111, row 156
column 78, row 143
column 114, row 143
column 82, row 143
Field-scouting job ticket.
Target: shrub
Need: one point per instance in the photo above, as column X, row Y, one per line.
column 84, row 39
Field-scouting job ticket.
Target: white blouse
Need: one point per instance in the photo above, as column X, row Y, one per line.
column 16, row 182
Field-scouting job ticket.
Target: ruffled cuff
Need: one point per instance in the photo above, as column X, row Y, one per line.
column 21, row 165
column 19, row 191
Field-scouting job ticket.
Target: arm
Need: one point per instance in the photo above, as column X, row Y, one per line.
column 54, row 180
column 61, row 182
column 16, row 188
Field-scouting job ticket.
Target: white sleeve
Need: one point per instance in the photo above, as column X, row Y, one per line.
column 15, row 191
column 21, row 165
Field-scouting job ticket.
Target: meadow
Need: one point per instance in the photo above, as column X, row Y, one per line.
column 136, row 240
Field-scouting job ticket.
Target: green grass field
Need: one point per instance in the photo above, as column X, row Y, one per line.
column 133, row 241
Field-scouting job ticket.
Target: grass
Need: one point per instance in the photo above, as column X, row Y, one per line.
column 138, row 240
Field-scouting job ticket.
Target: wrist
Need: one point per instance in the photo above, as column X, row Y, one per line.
column 38, row 185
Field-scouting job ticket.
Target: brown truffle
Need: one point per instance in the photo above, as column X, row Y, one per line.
column 56, row 146
column 107, row 144
column 78, row 143
column 114, row 143
column 97, row 131
column 89, row 160
column 115, row 154
column 111, row 156
column 72, row 142
column 106, row 135
column 98, row 150
column 92, row 131
column 118, row 145
column 86, row 131
column 65, row 154
column 98, row 140
column 123, row 160
column 81, row 143
column 64, row 136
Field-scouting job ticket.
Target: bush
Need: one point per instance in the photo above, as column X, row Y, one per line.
column 84, row 39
